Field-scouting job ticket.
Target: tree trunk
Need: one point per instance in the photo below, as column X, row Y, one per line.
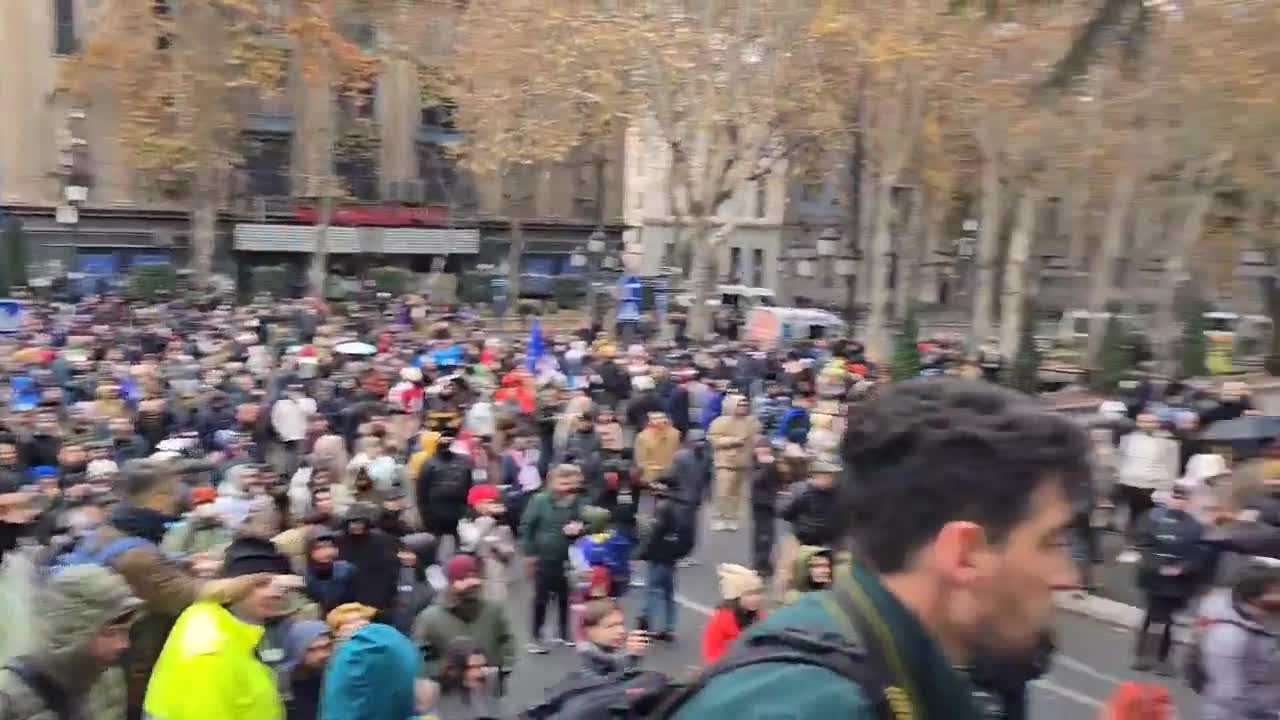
column 1013, row 301
column 320, row 256
column 514, row 252
column 1176, row 273
column 1113, row 234
column 908, row 257
column 867, row 213
column 927, row 270
column 703, row 256
column 204, row 221
column 880, row 257
column 988, row 254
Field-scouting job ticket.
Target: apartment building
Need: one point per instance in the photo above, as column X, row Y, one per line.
column 67, row 176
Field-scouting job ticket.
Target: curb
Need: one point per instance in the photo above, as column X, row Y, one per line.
column 1111, row 612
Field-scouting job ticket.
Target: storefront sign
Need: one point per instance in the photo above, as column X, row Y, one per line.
column 378, row 215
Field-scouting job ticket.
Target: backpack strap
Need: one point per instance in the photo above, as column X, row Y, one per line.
column 864, row 627
column 33, row 677
column 797, row 646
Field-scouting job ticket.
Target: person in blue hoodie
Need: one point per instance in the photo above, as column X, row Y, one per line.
column 371, row 677
column 330, row 582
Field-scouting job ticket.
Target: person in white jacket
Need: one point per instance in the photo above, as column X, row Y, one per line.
column 1148, row 462
column 485, row 534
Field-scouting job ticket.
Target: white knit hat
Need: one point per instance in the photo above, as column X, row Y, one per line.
column 736, row 581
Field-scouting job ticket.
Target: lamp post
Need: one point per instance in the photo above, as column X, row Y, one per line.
column 595, row 258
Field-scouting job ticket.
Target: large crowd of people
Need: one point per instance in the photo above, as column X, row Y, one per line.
column 290, row 510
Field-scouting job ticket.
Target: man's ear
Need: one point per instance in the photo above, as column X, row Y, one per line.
column 958, row 548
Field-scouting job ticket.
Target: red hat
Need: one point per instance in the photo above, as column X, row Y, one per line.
column 461, row 567
column 202, row 496
column 482, row 493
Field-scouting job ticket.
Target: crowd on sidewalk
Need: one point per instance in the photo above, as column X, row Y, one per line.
column 321, row 514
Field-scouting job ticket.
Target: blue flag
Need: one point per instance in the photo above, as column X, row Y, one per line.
column 533, row 350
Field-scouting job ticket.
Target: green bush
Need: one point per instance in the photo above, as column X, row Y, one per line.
column 271, row 279
column 391, row 280
column 906, row 351
column 1024, row 373
column 1193, row 340
column 149, row 282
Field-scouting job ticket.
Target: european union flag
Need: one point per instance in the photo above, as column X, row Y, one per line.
column 534, row 349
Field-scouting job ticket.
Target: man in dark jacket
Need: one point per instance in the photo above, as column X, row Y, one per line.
column 374, row 555
column 672, row 537
column 582, row 448
column 678, row 403
column 330, row 581
column 768, row 480
column 1169, row 573
column 442, row 490
column 550, row 524
column 811, row 512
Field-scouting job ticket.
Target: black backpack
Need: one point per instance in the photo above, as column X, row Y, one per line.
column 646, row 695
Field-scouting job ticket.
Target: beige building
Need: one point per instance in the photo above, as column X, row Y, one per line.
column 407, row 201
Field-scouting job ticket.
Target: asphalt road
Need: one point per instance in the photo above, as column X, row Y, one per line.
column 1092, row 658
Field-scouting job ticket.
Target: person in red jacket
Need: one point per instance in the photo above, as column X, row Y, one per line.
column 743, row 593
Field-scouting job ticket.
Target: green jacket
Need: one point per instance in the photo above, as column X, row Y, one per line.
column 441, row 624
column 936, row 691
column 542, row 527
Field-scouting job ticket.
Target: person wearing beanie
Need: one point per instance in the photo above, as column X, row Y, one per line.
column 602, row 546
column 463, row 612
column 670, row 539
column 485, row 534
column 373, row 553
column 86, row 612
column 219, row 644
column 307, row 650
column 742, row 593
column 414, row 592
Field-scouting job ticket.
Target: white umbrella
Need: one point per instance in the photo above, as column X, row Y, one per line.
column 356, row 348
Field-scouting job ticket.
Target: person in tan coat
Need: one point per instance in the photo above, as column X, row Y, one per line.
column 656, row 447
column 733, row 437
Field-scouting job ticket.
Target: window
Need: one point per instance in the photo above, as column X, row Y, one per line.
column 64, row 27
column 735, row 264
column 439, row 117
column 585, row 190
column 669, row 254
column 762, row 198
column 442, row 184
column 640, row 200
column 757, row 267
column 266, row 165
column 359, row 174
column 811, row 190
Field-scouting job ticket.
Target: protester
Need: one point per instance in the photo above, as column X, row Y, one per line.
column 811, row 572
column 485, row 534
column 371, row 676
column 742, row 595
column 951, row 555
column 602, row 546
column 733, row 440
column 85, row 615
column 309, row 647
column 329, row 581
column 810, row 510
column 609, row 648
column 374, row 556
column 656, row 447
column 344, row 620
column 669, row 540
column 552, row 521
column 1169, row 573
column 463, row 612
column 217, row 644
column 1148, row 462
column 468, row 685
column 442, row 490
column 1241, row 655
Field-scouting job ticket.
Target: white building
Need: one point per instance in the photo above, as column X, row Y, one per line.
column 751, row 254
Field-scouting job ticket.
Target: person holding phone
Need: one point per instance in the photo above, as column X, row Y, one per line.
column 608, row 647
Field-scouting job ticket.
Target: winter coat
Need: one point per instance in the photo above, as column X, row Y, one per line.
column 211, row 644
column 442, row 491
column 674, row 517
column 655, row 449
column 371, row 677
column 583, row 449
column 196, row 535
column 812, row 513
column 542, row 526
column 1148, row 461
column 720, row 632
column 74, row 607
column 485, row 623
column 331, row 586
column 374, row 556
column 770, row 411
column 711, row 408
column 678, row 409
column 1241, row 659
column 1170, row 539
column 610, row 549
column 801, row 579
column 691, row 472
column 647, row 401
column 766, row 483
column 493, row 543
column 733, row 441
column 794, row 426
column 413, row 595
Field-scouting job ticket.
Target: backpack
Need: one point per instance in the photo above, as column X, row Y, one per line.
column 648, row 695
column 84, row 552
column 34, row 678
column 1193, row 666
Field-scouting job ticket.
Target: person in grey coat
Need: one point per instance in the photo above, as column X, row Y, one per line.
column 1240, row 655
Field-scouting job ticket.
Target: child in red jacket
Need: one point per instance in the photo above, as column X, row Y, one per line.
column 742, row 590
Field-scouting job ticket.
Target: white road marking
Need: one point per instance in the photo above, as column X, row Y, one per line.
column 1067, row 693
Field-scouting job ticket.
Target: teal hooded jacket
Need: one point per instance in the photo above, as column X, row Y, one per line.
column 371, row 677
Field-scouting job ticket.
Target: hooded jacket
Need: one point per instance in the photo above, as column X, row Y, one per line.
column 1241, row 659
column 801, row 580
column 484, row 622
column 374, row 556
column 674, row 531
column 371, row 677
column 75, row 604
column 812, row 514
column 442, row 491
column 656, row 448
column 332, row 585
column 211, row 644
column 301, row 686
column 733, row 438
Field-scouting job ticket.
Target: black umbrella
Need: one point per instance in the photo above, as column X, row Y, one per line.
column 1243, row 429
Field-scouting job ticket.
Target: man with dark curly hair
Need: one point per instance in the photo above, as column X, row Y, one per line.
column 956, row 507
